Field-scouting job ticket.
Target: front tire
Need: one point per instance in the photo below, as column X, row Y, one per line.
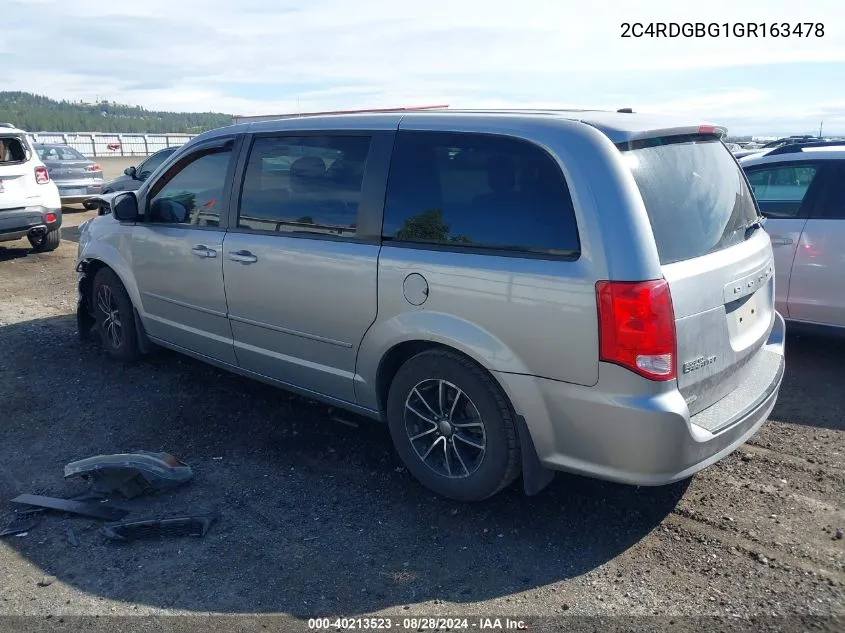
column 453, row 426
column 115, row 316
column 45, row 242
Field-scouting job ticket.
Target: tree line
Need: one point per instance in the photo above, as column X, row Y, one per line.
column 36, row 113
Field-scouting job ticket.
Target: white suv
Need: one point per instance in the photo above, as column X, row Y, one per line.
column 29, row 200
column 800, row 188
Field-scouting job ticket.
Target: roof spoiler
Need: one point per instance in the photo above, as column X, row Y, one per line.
column 795, row 148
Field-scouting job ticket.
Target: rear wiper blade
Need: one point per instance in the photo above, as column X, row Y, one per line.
column 756, row 224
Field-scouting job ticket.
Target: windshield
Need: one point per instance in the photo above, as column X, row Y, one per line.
column 695, row 194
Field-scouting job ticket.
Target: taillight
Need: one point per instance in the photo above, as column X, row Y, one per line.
column 94, row 167
column 41, row 175
column 637, row 327
column 50, row 218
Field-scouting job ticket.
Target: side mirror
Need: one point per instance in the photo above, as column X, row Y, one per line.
column 130, row 171
column 101, row 204
column 124, row 207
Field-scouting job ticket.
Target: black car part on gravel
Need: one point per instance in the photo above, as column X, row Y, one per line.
column 22, row 522
column 96, row 510
column 157, row 528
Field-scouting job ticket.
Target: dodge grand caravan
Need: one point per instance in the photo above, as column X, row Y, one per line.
column 511, row 292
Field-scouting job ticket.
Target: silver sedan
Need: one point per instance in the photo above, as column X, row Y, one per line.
column 77, row 177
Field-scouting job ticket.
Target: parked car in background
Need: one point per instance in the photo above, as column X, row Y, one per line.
column 800, row 188
column 29, row 200
column 770, row 145
column 134, row 177
column 77, row 177
column 512, row 293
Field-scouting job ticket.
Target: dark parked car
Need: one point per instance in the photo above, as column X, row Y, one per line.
column 134, row 177
column 77, row 177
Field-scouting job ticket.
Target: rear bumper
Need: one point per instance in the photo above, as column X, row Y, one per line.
column 80, row 190
column 633, row 431
column 18, row 223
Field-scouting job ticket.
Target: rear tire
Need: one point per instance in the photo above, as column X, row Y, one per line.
column 46, row 242
column 453, row 426
column 115, row 316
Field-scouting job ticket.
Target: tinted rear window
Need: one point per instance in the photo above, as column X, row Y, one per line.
column 695, row 195
column 479, row 191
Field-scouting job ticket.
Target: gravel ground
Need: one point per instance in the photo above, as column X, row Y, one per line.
column 318, row 517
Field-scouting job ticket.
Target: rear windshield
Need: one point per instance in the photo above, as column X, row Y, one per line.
column 12, row 150
column 695, row 195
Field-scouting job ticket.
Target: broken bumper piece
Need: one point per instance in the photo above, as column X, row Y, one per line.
column 131, row 474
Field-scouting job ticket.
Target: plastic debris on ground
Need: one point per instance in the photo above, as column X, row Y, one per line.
column 22, row 523
column 156, row 528
column 131, row 474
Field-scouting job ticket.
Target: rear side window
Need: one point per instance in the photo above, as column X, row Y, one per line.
column 59, row 153
column 780, row 190
column 68, row 153
column 695, row 194
column 306, row 184
column 479, row 191
column 151, row 164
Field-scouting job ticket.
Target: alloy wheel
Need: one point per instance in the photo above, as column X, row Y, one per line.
column 107, row 305
column 445, row 428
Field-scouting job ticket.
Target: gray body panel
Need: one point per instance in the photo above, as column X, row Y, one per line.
column 299, row 312
column 182, row 295
column 785, row 234
column 817, row 281
column 319, row 315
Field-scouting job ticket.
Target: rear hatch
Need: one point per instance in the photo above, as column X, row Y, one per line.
column 716, row 259
column 72, row 171
column 66, row 166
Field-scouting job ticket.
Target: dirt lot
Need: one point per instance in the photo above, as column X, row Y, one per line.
column 318, row 517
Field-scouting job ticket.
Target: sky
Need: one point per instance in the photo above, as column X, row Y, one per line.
column 276, row 56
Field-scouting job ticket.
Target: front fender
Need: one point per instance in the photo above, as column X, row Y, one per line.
column 112, row 246
column 434, row 327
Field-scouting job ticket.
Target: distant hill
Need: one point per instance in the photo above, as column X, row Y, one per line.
column 35, row 113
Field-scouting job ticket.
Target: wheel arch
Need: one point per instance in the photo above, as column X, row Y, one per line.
column 535, row 476
column 88, row 269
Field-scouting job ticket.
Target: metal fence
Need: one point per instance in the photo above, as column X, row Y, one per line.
column 98, row 145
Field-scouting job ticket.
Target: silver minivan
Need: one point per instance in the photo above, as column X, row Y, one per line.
column 514, row 293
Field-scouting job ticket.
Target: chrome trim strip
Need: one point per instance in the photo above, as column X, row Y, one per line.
column 284, row 330
column 183, row 304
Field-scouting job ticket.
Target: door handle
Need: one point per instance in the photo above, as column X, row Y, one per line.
column 781, row 241
column 244, row 257
column 203, row 251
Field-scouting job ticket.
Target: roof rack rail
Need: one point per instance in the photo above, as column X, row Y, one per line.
column 795, row 148
column 9, row 125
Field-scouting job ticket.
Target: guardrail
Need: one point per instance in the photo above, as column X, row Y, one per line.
column 99, row 145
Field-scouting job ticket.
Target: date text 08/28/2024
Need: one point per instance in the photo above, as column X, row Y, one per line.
column 723, row 29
